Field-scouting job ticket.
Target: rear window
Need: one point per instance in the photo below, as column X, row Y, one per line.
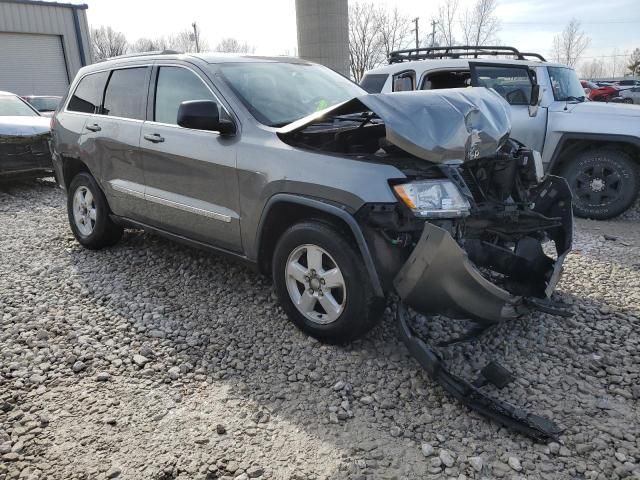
column 374, row 82
column 45, row 104
column 88, row 95
column 126, row 94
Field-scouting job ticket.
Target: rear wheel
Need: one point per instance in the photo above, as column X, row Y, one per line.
column 322, row 283
column 604, row 183
column 88, row 213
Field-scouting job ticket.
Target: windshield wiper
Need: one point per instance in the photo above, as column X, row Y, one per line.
column 571, row 98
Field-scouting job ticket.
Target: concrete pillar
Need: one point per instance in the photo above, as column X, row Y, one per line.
column 323, row 32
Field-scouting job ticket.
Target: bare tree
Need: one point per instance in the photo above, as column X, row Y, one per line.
column 233, row 45
column 447, row 20
column 593, row 69
column 150, row 44
column 395, row 30
column 365, row 43
column 185, row 41
column 633, row 64
column 569, row 45
column 107, row 43
column 480, row 23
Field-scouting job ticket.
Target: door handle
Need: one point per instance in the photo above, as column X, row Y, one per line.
column 94, row 127
column 154, row 137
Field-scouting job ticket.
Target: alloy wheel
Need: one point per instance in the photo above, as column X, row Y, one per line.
column 84, row 211
column 315, row 284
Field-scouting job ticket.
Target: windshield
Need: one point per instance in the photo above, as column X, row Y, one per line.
column 277, row 94
column 45, row 104
column 565, row 84
column 12, row 106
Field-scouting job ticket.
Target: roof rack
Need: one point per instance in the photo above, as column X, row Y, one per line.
column 142, row 54
column 462, row 51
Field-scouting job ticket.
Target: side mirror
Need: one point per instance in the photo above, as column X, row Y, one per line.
column 535, row 100
column 204, row 115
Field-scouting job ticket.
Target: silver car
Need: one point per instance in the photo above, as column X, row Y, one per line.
column 630, row 95
column 344, row 198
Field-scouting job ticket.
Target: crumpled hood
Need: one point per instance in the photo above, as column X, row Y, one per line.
column 436, row 125
column 27, row 126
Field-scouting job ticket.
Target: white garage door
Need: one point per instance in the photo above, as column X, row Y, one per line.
column 32, row 64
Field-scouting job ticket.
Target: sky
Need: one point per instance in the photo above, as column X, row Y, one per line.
column 270, row 25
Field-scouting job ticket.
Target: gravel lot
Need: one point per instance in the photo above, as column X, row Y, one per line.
column 151, row 360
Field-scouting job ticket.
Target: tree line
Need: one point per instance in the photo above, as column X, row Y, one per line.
column 375, row 31
column 107, row 42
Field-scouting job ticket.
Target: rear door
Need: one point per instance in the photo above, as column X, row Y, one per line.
column 114, row 139
column 514, row 83
column 191, row 180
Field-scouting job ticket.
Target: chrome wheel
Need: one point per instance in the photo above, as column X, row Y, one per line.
column 84, row 211
column 315, row 284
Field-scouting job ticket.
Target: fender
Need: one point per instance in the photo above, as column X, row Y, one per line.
column 335, row 211
column 599, row 137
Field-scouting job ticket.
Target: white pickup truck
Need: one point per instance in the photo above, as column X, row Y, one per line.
column 594, row 145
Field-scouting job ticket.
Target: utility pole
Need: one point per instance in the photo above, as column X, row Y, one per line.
column 433, row 32
column 196, row 36
column 415, row 20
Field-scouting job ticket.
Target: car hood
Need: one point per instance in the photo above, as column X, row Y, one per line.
column 17, row 126
column 603, row 108
column 437, row 125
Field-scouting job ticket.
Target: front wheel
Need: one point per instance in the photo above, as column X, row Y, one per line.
column 88, row 213
column 604, row 183
column 322, row 283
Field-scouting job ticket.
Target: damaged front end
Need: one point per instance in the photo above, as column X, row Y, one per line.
column 478, row 231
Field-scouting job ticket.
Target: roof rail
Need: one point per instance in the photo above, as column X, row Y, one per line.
column 461, row 51
column 142, row 54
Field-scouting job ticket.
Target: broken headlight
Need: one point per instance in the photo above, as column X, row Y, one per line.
column 436, row 198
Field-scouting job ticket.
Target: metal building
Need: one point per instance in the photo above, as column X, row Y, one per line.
column 42, row 46
column 323, row 32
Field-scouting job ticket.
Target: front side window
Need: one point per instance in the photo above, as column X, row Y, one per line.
column 174, row 86
column 512, row 83
column 126, row 94
column 12, row 106
column 88, row 95
column 565, row 84
column 278, row 93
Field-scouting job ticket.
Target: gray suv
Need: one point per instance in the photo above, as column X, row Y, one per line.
column 344, row 198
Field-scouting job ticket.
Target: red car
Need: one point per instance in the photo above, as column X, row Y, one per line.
column 599, row 94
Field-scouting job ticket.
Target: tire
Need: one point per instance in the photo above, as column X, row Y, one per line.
column 317, row 248
column 88, row 213
column 604, row 183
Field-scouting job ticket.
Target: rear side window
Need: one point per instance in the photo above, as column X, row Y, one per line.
column 374, row 82
column 404, row 81
column 126, row 94
column 88, row 95
column 174, row 86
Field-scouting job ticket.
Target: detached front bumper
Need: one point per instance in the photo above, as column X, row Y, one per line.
column 440, row 278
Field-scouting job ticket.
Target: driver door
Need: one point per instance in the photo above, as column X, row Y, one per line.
column 191, row 186
column 515, row 84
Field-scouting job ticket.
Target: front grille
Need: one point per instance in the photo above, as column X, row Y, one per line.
column 472, row 185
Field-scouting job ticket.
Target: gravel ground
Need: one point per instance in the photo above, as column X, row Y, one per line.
column 151, row 360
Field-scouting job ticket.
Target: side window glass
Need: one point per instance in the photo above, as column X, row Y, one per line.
column 512, row 83
column 374, row 82
column 174, row 86
column 88, row 95
column 404, row 81
column 126, row 94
